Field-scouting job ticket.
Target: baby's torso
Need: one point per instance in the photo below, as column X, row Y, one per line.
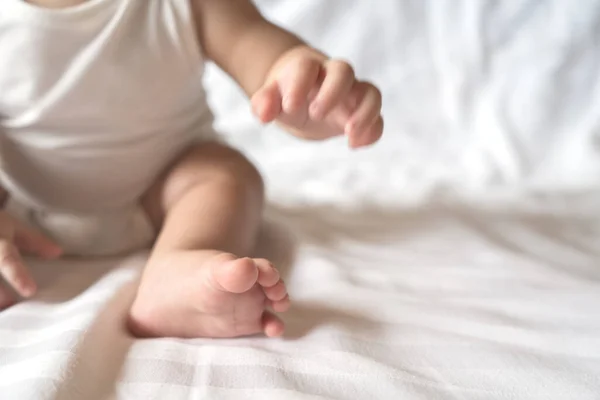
column 96, row 100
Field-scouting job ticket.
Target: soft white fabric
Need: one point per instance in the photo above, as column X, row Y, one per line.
column 95, row 102
column 458, row 259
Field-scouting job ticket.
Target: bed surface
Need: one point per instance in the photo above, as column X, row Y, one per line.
column 457, row 259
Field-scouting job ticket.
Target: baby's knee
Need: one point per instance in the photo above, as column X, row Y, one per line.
column 218, row 163
column 241, row 170
column 213, row 165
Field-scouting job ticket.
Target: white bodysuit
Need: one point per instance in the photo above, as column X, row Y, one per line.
column 95, row 101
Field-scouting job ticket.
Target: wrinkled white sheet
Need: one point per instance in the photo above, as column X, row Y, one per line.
column 457, row 259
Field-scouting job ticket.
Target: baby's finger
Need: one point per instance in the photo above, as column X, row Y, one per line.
column 339, row 79
column 266, row 102
column 7, row 298
column 33, row 242
column 297, row 82
column 367, row 111
column 14, row 271
column 369, row 136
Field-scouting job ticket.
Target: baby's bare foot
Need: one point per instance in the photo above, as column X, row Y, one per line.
column 208, row 293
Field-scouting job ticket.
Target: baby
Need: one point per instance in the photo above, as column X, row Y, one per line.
column 106, row 143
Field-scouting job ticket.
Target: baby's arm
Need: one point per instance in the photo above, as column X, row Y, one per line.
column 240, row 41
column 313, row 96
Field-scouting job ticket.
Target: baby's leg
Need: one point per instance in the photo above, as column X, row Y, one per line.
column 207, row 209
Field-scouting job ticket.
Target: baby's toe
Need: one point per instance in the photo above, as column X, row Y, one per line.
column 276, row 292
column 267, row 274
column 234, row 276
column 272, row 325
column 280, row 306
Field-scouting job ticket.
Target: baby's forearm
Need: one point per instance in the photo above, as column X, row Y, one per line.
column 240, row 41
column 258, row 50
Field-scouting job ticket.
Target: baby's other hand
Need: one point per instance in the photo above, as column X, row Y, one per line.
column 318, row 98
column 15, row 238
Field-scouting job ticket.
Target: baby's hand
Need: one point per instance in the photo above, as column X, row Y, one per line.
column 14, row 238
column 318, row 98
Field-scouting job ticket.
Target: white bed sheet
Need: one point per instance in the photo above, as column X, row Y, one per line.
column 457, row 259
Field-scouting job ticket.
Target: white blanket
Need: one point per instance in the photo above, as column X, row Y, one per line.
column 457, row 259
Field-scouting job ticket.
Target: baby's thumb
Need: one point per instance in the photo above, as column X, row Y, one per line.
column 33, row 242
